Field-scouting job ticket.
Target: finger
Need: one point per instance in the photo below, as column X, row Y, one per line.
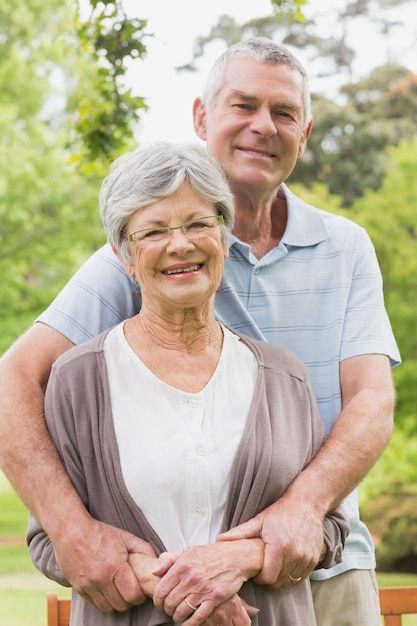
column 130, row 592
column 272, row 567
column 165, row 562
column 189, row 614
column 97, row 599
column 252, row 611
column 248, row 530
column 289, row 577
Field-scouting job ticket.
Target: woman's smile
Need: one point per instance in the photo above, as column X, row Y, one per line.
column 181, row 270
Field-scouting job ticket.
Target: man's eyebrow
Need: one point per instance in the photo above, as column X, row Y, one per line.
column 242, row 95
column 285, row 104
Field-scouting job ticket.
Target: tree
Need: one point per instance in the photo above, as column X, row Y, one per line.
column 49, row 220
column 346, row 150
column 105, row 110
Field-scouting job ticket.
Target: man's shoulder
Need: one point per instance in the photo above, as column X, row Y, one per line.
column 295, row 202
column 311, row 224
column 86, row 351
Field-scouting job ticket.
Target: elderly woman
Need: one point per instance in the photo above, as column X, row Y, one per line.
column 174, row 427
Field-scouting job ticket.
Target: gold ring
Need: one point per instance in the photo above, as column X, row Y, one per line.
column 294, row 581
column 188, row 603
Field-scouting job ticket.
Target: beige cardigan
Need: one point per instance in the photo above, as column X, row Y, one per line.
column 282, row 434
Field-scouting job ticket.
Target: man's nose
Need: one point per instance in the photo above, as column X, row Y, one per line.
column 263, row 123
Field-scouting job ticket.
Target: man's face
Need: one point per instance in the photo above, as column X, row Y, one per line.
column 256, row 127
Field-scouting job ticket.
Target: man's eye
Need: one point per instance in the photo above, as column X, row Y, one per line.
column 243, row 106
column 283, row 114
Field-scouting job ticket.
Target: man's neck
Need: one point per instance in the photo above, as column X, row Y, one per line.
column 261, row 227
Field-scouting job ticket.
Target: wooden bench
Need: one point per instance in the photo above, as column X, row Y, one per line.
column 58, row 611
column 396, row 602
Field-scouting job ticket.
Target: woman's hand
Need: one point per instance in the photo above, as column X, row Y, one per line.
column 143, row 565
column 206, row 577
column 233, row 612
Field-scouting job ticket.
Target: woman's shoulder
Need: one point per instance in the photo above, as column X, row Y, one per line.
column 276, row 357
column 83, row 352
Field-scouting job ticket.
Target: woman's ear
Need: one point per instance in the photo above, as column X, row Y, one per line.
column 129, row 269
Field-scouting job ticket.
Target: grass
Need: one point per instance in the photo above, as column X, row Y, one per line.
column 23, row 589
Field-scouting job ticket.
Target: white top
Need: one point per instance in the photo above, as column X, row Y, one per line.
column 177, row 448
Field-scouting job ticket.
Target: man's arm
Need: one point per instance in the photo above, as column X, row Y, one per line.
column 92, row 556
column 292, row 528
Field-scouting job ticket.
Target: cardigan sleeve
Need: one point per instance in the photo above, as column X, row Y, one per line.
column 336, row 529
column 62, row 432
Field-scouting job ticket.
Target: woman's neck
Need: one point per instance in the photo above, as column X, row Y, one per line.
column 186, row 330
column 183, row 354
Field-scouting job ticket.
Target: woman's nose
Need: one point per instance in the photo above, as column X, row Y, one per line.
column 178, row 240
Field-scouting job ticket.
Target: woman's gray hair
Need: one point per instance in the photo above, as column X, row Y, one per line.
column 156, row 171
column 260, row 49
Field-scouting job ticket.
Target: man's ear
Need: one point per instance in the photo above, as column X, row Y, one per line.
column 129, row 269
column 306, row 135
column 199, row 119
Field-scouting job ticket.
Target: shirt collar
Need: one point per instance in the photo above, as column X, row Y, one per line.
column 305, row 225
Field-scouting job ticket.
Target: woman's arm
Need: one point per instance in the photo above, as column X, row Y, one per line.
column 91, row 555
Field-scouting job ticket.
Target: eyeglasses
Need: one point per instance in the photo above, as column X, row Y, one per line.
column 193, row 229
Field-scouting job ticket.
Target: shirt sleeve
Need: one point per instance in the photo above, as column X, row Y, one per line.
column 97, row 297
column 367, row 328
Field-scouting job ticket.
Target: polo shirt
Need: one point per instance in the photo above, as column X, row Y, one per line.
column 318, row 293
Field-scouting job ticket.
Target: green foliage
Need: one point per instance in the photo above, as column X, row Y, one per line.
column 106, row 111
column 59, row 77
column 347, row 148
column 291, row 10
column 390, row 217
column 392, row 515
column 33, row 159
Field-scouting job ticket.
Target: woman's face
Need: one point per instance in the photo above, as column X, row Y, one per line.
column 177, row 270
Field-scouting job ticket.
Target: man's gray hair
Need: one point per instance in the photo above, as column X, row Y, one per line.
column 156, row 171
column 260, row 49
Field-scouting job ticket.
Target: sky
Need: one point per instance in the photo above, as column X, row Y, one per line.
column 176, row 24
column 169, row 93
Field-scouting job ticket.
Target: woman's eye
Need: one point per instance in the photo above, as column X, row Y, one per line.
column 197, row 225
column 154, row 234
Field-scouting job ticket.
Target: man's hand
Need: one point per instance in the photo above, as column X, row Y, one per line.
column 95, row 562
column 293, row 539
